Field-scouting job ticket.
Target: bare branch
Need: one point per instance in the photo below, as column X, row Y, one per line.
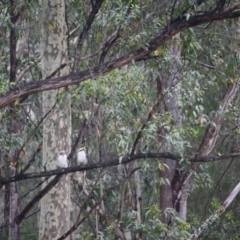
column 217, row 186
column 74, row 227
column 22, row 73
column 209, row 222
column 115, row 162
column 139, row 135
column 92, row 15
column 31, row 161
column 165, row 34
column 33, row 188
column 233, row 7
column 63, row 65
column 172, row 11
column 206, row 65
column 79, row 138
column 109, row 42
column 35, row 200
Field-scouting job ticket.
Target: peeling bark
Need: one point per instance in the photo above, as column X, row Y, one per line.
column 55, row 205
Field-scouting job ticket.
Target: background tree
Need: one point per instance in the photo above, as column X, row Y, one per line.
column 148, row 82
column 55, row 205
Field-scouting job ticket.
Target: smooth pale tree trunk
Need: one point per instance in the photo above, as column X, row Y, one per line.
column 54, row 218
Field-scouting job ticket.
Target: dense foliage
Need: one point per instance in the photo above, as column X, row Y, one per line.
column 125, row 112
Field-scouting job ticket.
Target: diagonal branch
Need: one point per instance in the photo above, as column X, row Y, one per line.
column 92, row 15
column 32, row 160
column 139, row 135
column 79, row 138
column 75, row 226
column 164, row 35
column 109, row 42
column 35, row 200
column 209, row 222
column 98, row 209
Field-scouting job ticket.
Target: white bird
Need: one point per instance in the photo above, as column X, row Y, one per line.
column 81, row 157
column 81, row 160
column 62, row 159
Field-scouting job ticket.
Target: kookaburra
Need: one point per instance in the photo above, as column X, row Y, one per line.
column 81, row 160
column 81, row 157
column 62, row 159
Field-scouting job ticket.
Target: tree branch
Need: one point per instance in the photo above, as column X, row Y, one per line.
column 79, row 137
column 114, row 162
column 165, row 34
column 75, row 226
column 35, row 200
column 95, row 9
column 109, row 42
column 98, row 209
column 208, row 223
column 205, row 148
column 139, row 135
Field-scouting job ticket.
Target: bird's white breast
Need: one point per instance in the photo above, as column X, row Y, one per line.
column 62, row 161
column 81, row 158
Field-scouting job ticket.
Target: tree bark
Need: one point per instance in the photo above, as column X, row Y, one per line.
column 205, row 148
column 14, row 228
column 14, row 233
column 137, row 200
column 168, row 90
column 55, row 205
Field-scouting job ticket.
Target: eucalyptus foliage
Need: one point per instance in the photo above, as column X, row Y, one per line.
column 117, row 109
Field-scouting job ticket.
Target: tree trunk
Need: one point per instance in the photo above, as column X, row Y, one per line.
column 138, row 200
column 14, row 233
column 14, row 228
column 55, row 206
column 168, row 91
column 205, row 148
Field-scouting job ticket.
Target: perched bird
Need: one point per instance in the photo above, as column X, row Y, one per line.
column 81, row 157
column 81, row 160
column 62, row 159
